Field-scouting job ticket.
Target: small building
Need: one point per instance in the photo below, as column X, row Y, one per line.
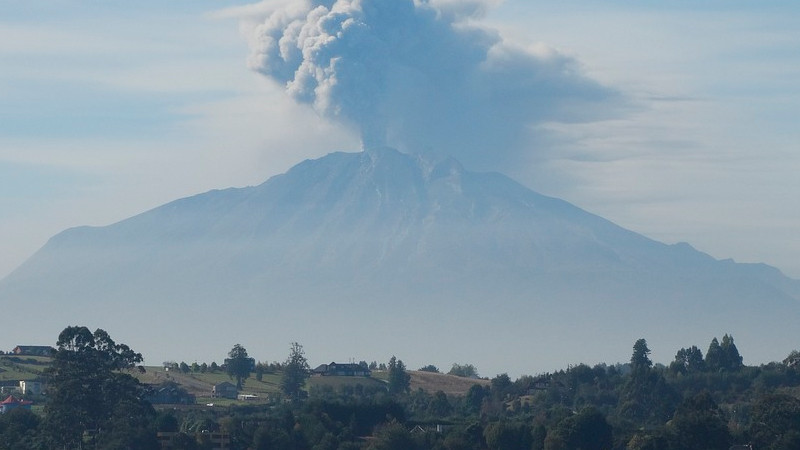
column 33, row 350
column 12, row 403
column 224, row 390
column 539, row 384
column 170, row 393
column 30, row 387
column 341, row 370
column 436, row 428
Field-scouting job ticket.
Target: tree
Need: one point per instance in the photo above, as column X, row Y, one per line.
column 166, row 421
column 399, row 380
column 19, row 430
column 393, row 436
column 474, row 398
column 688, row 360
column 501, row 386
column 260, row 369
column 439, row 406
column 238, row 365
column 699, row 425
column 463, row 370
column 502, row 435
column 714, row 356
column 295, row 372
column 723, row 356
column 793, row 359
column 648, row 440
column 429, row 368
column 775, row 422
column 731, row 357
column 587, row 430
column 646, row 398
column 88, row 391
column 640, row 359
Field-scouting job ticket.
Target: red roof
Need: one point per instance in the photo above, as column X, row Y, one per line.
column 13, row 401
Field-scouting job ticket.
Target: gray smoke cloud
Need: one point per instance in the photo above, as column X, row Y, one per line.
column 421, row 77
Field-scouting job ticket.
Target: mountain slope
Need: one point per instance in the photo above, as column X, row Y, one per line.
column 380, row 252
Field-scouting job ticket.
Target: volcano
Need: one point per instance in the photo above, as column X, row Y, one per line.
column 379, row 253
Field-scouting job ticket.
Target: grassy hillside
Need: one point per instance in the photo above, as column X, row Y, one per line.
column 16, row 368
column 449, row 384
column 200, row 384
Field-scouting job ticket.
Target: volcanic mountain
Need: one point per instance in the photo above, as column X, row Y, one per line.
column 365, row 255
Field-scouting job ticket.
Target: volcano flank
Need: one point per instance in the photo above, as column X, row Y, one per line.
column 370, row 254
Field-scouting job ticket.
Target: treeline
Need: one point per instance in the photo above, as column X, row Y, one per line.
column 701, row 400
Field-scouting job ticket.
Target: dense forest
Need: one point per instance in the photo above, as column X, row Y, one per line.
column 702, row 400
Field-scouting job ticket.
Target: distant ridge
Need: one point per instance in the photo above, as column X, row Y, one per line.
column 376, row 253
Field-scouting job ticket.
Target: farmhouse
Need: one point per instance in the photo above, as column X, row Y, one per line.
column 224, row 390
column 169, row 393
column 13, row 403
column 341, row 370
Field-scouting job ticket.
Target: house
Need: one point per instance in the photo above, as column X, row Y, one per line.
column 437, row 428
column 30, row 387
column 169, row 393
column 224, row 390
column 417, row 429
column 12, row 403
column 341, row 370
column 33, row 350
column 539, row 384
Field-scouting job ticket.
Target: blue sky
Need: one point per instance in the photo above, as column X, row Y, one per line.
column 108, row 109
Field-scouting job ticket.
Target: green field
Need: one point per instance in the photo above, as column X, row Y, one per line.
column 16, row 368
column 200, row 384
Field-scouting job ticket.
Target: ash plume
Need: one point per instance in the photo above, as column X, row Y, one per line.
column 420, row 76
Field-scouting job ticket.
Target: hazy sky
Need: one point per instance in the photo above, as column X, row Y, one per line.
column 676, row 121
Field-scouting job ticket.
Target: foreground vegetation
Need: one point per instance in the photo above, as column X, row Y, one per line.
column 97, row 398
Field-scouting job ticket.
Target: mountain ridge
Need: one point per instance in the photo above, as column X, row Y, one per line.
column 366, row 238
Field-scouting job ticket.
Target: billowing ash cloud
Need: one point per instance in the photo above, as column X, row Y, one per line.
column 416, row 75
